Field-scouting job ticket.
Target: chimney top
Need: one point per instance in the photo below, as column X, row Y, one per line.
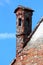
column 24, row 8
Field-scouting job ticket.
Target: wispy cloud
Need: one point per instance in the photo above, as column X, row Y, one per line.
column 7, row 35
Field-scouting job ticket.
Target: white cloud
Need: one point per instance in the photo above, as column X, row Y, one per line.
column 7, row 35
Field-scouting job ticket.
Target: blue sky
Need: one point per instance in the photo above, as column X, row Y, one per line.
column 8, row 26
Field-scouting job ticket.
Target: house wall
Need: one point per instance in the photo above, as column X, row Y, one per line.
column 38, row 33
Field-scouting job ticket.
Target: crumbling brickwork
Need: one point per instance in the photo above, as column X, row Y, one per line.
column 23, row 26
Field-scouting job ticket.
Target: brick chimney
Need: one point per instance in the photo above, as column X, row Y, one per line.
column 23, row 26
